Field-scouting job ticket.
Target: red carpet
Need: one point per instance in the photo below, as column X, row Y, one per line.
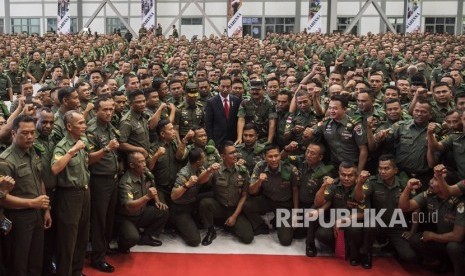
column 244, row 265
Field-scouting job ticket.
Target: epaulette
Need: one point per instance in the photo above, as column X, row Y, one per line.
column 5, row 153
column 209, row 149
column 240, row 146
column 39, row 149
column 258, row 148
column 149, row 175
column 91, row 127
column 211, row 142
column 89, row 147
column 126, row 116
column 261, row 164
column 323, row 171
column 241, row 168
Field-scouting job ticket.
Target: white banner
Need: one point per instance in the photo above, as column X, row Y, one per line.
column 413, row 16
column 234, row 18
column 63, row 18
column 148, row 13
column 314, row 16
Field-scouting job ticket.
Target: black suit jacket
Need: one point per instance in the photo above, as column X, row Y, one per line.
column 217, row 126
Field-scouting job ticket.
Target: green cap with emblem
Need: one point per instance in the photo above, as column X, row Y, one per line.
column 191, row 89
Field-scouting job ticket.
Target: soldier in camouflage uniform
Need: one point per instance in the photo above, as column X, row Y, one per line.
column 250, row 152
column 230, row 189
column 200, row 140
column 276, row 185
column 189, row 114
column 304, row 117
column 36, row 69
column 6, row 90
column 258, row 110
column 16, row 76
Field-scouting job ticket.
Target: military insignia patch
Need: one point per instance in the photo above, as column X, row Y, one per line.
column 460, row 208
column 359, row 130
column 130, row 196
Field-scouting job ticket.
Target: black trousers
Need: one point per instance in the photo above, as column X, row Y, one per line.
column 153, row 221
column 72, row 221
column 103, row 189
column 454, row 251
column 181, row 215
column 357, row 239
column 257, row 206
column 25, row 242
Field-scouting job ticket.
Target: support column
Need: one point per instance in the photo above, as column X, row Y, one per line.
column 80, row 19
column 331, row 24
column 298, row 16
column 382, row 25
column 459, row 25
column 7, row 21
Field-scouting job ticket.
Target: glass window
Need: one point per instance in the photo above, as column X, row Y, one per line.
column 397, row 23
column 51, row 24
column 74, row 25
column 191, row 21
column 440, row 25
column 269, row 20
column 429, row 20
column 280, row 25
column 113, row 24
column 25, row 25
column 344, row 22
column 2, row 26
column 450, row 20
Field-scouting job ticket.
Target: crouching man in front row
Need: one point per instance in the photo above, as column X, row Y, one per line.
column 445, row 243
column 135, row 209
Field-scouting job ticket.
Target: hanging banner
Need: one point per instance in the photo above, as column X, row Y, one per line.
column 148, row 14
column 63, row 18
column 234, row 18
column 314, row 16
column 413, row 16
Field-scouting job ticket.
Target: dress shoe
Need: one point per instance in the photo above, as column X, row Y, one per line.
column 310, row 250
column 366, row 261
column 354, row 262
column 103, row 266
column 211, row 235
column 146, row 240
column 262, row 229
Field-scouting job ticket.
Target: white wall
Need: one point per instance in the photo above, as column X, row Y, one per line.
column 168, row 10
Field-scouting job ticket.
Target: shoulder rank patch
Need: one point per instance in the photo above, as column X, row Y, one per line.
column 359, row 130
column 460, row 208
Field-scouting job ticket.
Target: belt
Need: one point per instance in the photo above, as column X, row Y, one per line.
column 80, row 188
